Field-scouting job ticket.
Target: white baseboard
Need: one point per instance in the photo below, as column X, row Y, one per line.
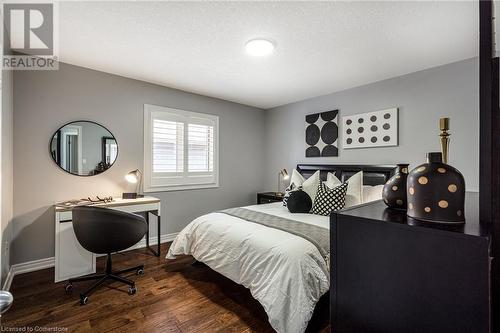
column 27, row 267
column 39, row 264
column 8, row 280
column 32, row 266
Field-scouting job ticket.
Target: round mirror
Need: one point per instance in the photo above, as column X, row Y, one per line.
column 83, row 148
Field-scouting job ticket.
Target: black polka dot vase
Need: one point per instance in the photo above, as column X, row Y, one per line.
column 436, row 192
column 394, row 192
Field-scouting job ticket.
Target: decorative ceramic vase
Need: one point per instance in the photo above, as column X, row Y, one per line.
column 394, row 192
column 436, row 192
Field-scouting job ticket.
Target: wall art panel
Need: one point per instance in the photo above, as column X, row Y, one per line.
column 371, row 129
column 322, row 134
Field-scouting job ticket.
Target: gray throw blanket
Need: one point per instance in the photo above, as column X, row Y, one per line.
column 318, row 236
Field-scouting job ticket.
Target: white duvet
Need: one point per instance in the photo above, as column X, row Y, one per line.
column 284, row 272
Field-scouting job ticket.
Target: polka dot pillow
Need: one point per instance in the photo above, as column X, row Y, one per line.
column 328, row 200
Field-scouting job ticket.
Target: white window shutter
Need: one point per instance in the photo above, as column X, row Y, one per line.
column 200, row 148
column 168, row 146
column 180, row 149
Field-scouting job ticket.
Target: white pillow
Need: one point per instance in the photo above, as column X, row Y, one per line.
column 372, row 193
column 354, row 194
column 309, row 185
column 332, row 181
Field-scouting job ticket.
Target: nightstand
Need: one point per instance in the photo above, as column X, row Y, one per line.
column 269, row 197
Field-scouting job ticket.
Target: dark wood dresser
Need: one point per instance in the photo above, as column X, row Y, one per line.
column 390, row 273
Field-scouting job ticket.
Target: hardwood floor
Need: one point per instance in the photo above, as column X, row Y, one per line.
column 173, row 296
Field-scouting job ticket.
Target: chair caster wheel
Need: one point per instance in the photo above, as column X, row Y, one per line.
column 140, row 271
column 132, row 290
column 84, row 300
column 68, row 287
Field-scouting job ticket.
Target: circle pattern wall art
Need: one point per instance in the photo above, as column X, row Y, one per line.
column 371, row 129
column 322, row 134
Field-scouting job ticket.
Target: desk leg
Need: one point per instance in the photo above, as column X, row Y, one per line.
column 159, row 235
column 148, row 246
column 146, row 216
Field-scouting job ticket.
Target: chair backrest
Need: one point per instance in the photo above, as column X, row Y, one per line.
column 103, row 230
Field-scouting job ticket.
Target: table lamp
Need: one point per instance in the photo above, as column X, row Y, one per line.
column 133, row 177
column 282, row 175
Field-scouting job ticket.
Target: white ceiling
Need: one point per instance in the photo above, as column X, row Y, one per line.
column 322, row 47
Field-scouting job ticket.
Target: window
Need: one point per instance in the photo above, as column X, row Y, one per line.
column 180, row 149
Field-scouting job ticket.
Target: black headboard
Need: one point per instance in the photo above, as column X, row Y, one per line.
column 372, row 174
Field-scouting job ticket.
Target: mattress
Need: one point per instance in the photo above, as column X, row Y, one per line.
column 284, row 272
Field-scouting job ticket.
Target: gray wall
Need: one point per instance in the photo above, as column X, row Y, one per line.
column 6, row 179
column 254, row 143
column 422, row 98
column 45, row 100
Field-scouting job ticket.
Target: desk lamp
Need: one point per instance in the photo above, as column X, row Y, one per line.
column 133, row 177
column 282, row 175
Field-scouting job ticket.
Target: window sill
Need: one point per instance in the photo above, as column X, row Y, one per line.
column 179, row 188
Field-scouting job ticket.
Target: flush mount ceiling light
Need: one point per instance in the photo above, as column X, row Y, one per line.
column 259, row 47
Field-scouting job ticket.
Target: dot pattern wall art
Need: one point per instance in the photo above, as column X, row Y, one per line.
column 322, row 134
column 371, row 129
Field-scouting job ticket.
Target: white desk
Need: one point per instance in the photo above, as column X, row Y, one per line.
column 71, row 259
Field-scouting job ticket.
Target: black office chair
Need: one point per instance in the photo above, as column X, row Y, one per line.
column 103, row 231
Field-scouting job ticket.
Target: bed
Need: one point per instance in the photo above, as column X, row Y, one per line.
column 286, row 273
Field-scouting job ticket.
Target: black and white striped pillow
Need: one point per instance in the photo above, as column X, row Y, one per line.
column 289, row 191
column 328, row 200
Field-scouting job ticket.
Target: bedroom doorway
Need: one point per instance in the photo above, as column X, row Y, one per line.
column 71, row 149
